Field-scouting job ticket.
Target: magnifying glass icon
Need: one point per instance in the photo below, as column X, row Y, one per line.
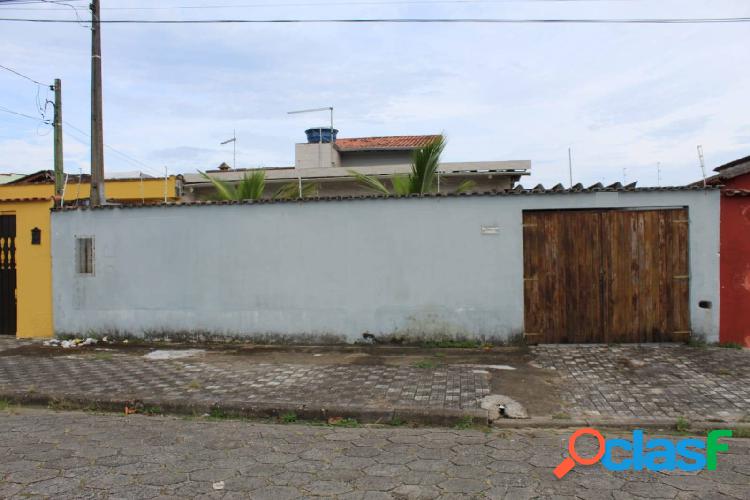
column 567, row 464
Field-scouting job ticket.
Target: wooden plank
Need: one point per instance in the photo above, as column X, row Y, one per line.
column 562, row 285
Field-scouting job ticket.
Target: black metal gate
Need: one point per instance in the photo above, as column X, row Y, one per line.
column 7, row 274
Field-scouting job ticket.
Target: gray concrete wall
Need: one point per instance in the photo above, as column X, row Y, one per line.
column 338, row 268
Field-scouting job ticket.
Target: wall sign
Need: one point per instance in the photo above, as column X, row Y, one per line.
column 490, row 230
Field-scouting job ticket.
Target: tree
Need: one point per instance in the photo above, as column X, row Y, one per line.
column 422, row 178
column 252, row 186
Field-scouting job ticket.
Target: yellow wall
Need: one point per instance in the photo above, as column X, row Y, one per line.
column 33, row 268
column 150, row 189
column 34, row 262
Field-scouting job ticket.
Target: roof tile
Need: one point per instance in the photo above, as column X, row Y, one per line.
column 389, row 142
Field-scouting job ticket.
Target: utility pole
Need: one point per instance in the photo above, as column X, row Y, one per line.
column 97, row 133
column 58, row 138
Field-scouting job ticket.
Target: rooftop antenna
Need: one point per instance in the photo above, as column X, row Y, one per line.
column 702, row 163
column 320, row 136
column 570, row 166
column 658, row 173
column 233, row 140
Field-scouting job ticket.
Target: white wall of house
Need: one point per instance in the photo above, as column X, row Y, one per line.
column 332, row 269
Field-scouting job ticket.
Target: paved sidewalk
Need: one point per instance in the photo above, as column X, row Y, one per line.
column 196, row 384
column 625, row 384
column 47, row 454
column 651, row 381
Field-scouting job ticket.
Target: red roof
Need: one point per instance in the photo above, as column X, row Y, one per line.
column 394, row 142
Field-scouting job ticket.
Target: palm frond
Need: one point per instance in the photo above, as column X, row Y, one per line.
column 465, row 186
column 251, row 186
column 370, row 182
column 401, row 185
column 224, row 190
column 425, row 162
column 287, row 191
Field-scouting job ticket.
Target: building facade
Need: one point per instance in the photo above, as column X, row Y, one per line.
column 548, row 265
column 25, row 246
column 326, row 161
column 734, row 177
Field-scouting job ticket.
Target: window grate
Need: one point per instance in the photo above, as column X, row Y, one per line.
column 85, row 255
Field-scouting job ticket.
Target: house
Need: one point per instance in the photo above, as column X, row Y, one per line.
column 734, row 177
column 6, row 178
column 596, row 265
column 325, row 160
column 25, row 252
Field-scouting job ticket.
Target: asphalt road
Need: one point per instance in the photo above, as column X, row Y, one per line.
column 82, row 455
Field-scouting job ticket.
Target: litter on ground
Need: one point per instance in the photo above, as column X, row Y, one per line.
column 162, row 354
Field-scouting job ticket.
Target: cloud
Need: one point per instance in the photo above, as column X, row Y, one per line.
column 623, row 97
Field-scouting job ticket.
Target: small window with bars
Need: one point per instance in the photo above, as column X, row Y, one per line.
column 85, row 255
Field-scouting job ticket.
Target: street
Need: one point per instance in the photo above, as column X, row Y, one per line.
column 52, row 454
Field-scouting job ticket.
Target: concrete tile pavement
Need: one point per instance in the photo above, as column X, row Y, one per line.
column 64, row 455
column 651, row 381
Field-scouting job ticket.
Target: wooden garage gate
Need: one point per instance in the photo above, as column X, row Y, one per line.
column 606, row 276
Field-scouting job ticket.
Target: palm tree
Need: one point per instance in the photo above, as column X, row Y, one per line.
column 252, row 186
column 422, row 178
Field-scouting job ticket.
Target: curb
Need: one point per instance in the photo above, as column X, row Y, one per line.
column 447, row 417
column 443, row 417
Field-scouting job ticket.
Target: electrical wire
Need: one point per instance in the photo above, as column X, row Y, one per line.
column 24, row 76
column 398, row 21
column 116, row 151
column 35, row 118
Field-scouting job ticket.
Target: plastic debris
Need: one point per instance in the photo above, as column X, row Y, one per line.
column 219, row 485
column 162, row 354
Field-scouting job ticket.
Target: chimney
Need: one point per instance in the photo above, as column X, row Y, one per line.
column 224, row 167
column 321, row 135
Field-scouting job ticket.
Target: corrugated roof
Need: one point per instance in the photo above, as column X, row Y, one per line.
column 517, row 191
column 733, row 163
column 393, row 142
column 23, row 200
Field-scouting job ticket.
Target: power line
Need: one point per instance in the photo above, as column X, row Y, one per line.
column 329, row 3
column 400, row 21
column 35, row 118
column 23, row 76
column 124, row 155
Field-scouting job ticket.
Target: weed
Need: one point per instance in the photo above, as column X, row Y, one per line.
column 426, row 364
column 4, row 404
column 452, row 344
column 343, row 422
column 729, row 345
column 696, row 341
column 742, row 432
column 682, row 425
column 153, row 410
column 561, row 416
column 396, row 422
column 289, row 418
column 103, row 356
column 218, row 413
column 194, row 384
column 464, row 423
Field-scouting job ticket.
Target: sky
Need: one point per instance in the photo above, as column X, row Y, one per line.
column 633, row 102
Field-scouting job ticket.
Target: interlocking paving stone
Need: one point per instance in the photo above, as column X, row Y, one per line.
column 651, row 381
column 126, row 377
column 187, row 467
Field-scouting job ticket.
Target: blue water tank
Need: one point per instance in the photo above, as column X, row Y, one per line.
column 321, row 134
